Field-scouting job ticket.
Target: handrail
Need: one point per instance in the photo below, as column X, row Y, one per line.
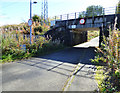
column 106, row 11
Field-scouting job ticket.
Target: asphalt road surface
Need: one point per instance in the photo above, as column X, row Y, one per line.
column 50, row 72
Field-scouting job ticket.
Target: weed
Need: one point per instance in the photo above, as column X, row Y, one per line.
column 109, row 54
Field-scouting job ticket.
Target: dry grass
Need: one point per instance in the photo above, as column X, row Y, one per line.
column 92, row 34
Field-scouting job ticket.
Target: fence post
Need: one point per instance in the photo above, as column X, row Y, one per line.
column 61, row 17
column 75, row 15
column 55, row 18
column 67, row 16
column 103, row 16
column 93, row 17
column 103, row 11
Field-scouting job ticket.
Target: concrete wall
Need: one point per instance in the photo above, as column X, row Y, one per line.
column 78, row 38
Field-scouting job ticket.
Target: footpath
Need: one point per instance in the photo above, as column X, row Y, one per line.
column 82, row 78
column 66, row 70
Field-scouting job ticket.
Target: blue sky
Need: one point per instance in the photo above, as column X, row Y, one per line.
column 17, row 11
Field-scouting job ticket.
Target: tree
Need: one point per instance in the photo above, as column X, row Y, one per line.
column 36, row 18
column 82, row 14
column 38, row 29
column 40, row 19
column 94, row 11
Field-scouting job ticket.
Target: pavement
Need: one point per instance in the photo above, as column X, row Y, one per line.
column 67, row 70
column 92, row 43
column 83, row 78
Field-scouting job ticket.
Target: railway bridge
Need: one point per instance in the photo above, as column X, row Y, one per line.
column 74, row 31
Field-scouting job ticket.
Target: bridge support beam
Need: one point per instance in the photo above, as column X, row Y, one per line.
column 100, row 36
column 103, row 32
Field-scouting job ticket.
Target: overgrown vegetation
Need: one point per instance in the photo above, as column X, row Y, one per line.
column 92, row 34
column 37, row 28
column 12, row 47
column 15, row 41
column 109, row 54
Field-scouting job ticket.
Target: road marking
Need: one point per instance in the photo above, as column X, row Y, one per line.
column 75, row 71
column 70, row 79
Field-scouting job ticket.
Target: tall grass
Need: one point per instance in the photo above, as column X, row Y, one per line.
column 110, row 54
column 12, row 47
column 12, row 42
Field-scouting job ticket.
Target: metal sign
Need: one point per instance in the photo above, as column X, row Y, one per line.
column 53, row 22
column 73, row 26
column 23, row 47
column 82, row 21
column 30, row 22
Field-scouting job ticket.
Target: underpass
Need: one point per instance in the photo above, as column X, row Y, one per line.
column 71, row 32
column 51, row 72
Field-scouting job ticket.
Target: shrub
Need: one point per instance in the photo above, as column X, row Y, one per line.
column 12, row 50
column 38, row 29
column 110, row 54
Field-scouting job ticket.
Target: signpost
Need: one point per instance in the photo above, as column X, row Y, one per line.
column 30, row 25
column 23, row 47
column 82, row 21
column 30, row 22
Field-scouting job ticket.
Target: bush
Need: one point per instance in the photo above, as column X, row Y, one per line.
column 38, row 29
column 12, row 50
column 110, row 54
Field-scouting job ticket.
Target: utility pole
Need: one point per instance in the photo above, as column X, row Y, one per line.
column 31, row 19
column 44, row 12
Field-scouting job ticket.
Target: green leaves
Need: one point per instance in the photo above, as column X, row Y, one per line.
column 12, row 50
column 110, row 54
column 94, row 11
column 117, row 72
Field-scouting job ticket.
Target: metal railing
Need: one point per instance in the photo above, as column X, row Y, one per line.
column 105, row 11
column 110, row 10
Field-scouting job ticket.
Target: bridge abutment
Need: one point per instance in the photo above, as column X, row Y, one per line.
column 78, row 37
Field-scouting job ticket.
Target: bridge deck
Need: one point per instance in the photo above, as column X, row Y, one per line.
column 91, row 23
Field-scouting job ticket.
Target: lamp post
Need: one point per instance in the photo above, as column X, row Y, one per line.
column 31, row 18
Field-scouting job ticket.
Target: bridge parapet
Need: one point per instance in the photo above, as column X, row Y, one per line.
column 71, row 32
column 105, row 11
column 90, row 22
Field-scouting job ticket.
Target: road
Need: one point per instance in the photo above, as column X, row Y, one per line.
column 50, row 72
